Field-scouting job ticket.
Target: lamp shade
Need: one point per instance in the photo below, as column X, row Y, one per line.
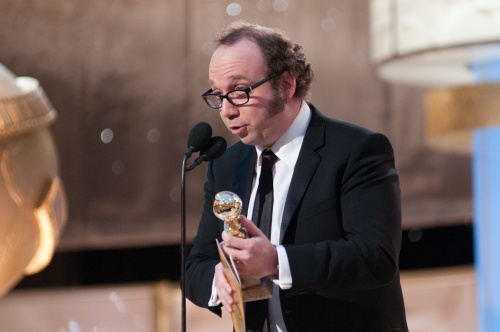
column 436, row 43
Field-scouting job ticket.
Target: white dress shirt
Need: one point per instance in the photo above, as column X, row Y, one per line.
column 287, row 149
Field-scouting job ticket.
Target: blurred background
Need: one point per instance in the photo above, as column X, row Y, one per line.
column 125, row 77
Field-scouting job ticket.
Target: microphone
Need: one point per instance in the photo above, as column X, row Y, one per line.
column 213, row 150
column 198, row 138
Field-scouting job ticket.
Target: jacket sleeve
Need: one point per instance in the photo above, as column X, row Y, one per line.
column 204, row 256
column 366, row 206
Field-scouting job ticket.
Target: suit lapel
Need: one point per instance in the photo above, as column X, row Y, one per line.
column 305, row 168
column 243, row 177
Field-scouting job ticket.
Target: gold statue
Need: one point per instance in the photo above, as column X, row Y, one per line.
column 227, row 207
column 32, row 199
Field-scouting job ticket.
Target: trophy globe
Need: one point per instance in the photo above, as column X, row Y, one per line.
column 227, row 207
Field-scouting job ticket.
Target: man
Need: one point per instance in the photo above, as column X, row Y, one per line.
column 336, row 224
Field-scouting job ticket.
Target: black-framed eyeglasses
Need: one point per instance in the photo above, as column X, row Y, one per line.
column 237, row 97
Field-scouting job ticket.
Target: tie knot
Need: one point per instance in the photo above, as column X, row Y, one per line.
column 268, row 159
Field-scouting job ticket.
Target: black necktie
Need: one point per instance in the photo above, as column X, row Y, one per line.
column 257, row 311
column 263, row 206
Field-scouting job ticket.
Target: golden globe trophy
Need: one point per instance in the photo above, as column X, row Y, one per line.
column 227, row 207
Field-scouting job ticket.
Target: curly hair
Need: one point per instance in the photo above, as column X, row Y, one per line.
column 280, row 53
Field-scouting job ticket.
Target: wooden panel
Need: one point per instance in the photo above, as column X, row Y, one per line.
column 436, row 300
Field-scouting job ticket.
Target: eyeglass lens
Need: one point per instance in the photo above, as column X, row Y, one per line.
column 235, row 97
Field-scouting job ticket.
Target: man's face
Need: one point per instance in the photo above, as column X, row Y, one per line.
column 261, row 121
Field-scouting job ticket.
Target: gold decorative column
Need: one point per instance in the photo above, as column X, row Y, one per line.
column 32, row 201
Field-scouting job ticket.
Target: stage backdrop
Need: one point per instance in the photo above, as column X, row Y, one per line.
column 126, row 76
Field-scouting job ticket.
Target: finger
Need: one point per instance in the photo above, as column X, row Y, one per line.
column 225, row 236
column 252, row 229
column 224, row 290
column 231, row 251
column 221, row 283
column 232, row 242
column 227, row 301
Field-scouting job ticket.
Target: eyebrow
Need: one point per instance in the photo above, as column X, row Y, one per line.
column 233, row 78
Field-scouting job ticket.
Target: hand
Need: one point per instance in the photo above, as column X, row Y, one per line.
column 255, row 256
column 224, row 291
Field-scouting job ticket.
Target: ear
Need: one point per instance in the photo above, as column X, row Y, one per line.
column 288, row 85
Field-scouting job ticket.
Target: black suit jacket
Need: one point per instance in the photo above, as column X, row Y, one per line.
column 341, row 229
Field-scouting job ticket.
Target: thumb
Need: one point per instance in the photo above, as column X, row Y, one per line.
column 252, row 229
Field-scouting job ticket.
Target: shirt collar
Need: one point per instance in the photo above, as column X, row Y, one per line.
column 287, row 147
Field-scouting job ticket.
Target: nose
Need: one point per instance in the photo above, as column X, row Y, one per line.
column 228, row 110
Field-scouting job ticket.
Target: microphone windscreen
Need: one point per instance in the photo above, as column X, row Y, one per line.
column 199, row 136
column 215, row 148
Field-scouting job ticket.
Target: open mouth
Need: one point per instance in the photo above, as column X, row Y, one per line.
column 237, row 129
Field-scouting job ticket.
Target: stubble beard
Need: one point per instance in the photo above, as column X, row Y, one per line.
column 277, row 104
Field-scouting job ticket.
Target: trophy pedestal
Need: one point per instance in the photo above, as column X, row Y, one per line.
column 257, row 289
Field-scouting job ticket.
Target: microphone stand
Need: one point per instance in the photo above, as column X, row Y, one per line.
column 198, row 137
column 183, row 242
column 216, row 147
